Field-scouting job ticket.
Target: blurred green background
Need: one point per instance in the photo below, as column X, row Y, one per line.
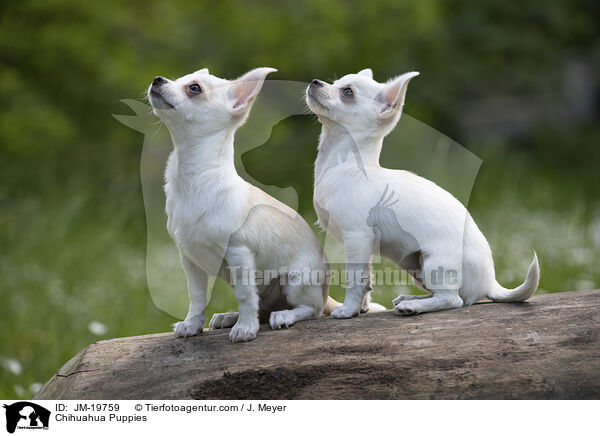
column 514, row 82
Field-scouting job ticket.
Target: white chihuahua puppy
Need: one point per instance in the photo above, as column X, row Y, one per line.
column 398, row 214
column 222, row 225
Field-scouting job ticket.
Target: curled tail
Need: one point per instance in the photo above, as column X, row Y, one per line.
column 376, row 307
column 500, row 294
column 332, row 304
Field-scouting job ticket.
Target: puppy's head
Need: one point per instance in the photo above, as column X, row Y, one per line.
column 205, row 102
column 359, row 103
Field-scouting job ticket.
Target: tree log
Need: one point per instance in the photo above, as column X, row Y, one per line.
column 546, row 348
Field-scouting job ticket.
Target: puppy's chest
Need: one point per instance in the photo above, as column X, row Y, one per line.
column 330, row 208
column 199, row 218
column 335, row 192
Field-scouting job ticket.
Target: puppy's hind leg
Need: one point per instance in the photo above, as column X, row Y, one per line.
column 306, row 302
column 413, row 264
column 444, row 289
column 439, row 300
column 223, row 320
column 400, row 298
column 285, row 318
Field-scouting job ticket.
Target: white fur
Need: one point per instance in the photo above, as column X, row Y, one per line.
column 222, row 224
column 393, row 212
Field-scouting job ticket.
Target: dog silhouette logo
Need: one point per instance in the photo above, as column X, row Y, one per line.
column 26, row 415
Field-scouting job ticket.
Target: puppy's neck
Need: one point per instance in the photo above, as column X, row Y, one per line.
column 199, row 153
column 339, row 146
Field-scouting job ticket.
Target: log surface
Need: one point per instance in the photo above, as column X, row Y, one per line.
column 546, row 348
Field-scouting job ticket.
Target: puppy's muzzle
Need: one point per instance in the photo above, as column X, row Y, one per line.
column 315, row 88
column 158, row 81
column 316, row 93
column 157, row 98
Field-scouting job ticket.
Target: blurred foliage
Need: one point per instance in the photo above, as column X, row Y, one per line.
column 72, row 228
column 66, row 64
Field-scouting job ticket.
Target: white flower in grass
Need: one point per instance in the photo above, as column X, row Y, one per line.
column 19, row 390
column 97, row 328
column 12, row 365
column 34, row 388
column 584, row 285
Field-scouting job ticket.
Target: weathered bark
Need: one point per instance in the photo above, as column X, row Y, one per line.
column 548, row 347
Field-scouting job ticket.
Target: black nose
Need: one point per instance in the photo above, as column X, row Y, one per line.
column 159, row 80
column 317, row 82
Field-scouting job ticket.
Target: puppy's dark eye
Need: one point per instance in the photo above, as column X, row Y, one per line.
column 347, row 92
column 194, row 87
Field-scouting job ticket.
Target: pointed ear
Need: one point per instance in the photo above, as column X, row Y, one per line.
column 244, row 90
column 202, row 71
column 366, row 72
column 392, row 96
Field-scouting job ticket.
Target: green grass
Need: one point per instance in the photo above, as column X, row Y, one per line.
column 69, row 258
column 76, row 254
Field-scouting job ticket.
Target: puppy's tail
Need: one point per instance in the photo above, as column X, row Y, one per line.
column 500, row 294
column 376, row 307
column 372, row 307
column 332, row 304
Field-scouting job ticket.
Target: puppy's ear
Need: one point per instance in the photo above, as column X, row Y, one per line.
column 243, row 91
column 202, row 71
column 366, row 72
column 391, row 98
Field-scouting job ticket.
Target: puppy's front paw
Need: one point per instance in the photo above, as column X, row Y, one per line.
column 407, row 307
column 244, row 331
column 345, row 311
column 189, row 327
